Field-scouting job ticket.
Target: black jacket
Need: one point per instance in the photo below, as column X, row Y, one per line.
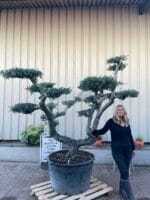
column 120, row 135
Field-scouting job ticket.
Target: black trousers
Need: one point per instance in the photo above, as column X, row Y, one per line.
column 122, row 156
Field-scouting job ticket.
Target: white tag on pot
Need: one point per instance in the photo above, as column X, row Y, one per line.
column 48, row 145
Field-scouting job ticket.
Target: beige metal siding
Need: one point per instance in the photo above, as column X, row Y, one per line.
column 68, row 44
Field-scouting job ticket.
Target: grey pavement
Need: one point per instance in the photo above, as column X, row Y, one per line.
column 17, row 177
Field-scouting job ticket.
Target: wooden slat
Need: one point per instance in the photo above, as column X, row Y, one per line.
column 39, row 193
column 99, row 193
column 40, row 188
column 40, row 184
column 44, row 191
column 47, row 196
column 87, row 192
column 95, row 184
column 93, row 179
column 60, row 197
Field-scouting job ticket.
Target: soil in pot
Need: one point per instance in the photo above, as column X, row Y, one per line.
column 59, row 157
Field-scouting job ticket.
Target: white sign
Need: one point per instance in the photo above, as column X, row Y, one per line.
column 48, row 145
column 46, row 129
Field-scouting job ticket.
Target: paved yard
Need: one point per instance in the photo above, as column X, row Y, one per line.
column 17, row 177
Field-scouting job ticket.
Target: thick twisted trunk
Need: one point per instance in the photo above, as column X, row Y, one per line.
column 72, row 144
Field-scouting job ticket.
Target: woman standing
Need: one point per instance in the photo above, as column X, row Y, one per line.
column 122, row 146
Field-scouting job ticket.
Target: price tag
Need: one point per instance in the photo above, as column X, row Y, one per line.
column 48, row 145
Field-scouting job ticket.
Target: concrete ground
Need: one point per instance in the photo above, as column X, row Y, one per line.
column 17, row 177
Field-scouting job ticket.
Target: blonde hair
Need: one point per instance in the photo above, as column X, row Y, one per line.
column 123, row 119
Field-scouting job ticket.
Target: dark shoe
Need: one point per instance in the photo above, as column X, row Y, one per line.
column 125, row 190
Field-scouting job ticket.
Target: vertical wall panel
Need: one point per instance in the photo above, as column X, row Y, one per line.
column 70, row 66
column 24, row 63
column 101, row 28
column 125, row 48
column 8, row 84
column 47, row 44
column 68, row 44
column 93, row 41
column 15, row 63
column 85, row 54
column 147, row 24
column 3, row 18
column 133, row 66
column 85, row 43
column 77, row 69
column 142, row 74
column 62, row 63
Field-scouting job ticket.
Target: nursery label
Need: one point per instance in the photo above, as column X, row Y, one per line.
column 46, row 129
column 48, row 145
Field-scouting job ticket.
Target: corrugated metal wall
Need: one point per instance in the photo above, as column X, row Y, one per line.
column 68, row 45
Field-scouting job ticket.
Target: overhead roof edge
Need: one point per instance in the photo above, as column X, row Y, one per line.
column 143, row 5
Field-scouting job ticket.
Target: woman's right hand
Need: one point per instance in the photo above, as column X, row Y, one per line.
column 95, row 132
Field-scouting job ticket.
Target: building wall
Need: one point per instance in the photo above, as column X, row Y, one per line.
column 68, row 45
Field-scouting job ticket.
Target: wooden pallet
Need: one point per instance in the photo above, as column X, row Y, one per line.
column 44, row 191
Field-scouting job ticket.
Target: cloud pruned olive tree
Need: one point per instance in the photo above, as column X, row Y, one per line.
column 102, row 92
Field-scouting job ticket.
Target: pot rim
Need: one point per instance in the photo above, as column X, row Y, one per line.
column 72, row 164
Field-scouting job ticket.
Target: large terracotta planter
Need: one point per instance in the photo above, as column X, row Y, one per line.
column 71, row 178
column 139, row 143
